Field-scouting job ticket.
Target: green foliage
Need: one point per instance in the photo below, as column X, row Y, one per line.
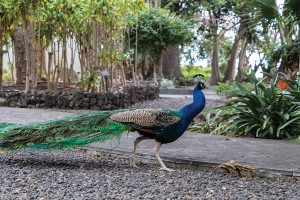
column 190, row 71
column 207, row 125
column 157, row 30
column 224, row 89
column 91, row 81
column 266, row 112
column 6, row 76
column 165, row 83
column 293, row 90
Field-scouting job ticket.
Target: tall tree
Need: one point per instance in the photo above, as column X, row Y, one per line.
column 285, row 24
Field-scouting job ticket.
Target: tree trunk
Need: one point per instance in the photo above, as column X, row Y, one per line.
column 25, row 57
column 215, row 71
column 242, row 57
column 49, row 70
column 171, row 62
column 1, row 58
column 231, row 68
column 32, row 58
column 231, row 63
column 19, row 45
column 64, row 56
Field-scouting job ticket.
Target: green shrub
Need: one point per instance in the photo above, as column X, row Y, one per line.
column 6, row 76
column 265, row 112
column 91, row 81
column 167, row 84
column 225, row 88
column 190, row 71
column 207, row 125
column 293, row 89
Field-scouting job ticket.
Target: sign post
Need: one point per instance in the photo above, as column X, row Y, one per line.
column 105, row 74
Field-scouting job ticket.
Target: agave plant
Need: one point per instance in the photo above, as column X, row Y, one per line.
column 266, row 112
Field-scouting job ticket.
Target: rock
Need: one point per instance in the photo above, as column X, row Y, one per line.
column 93, row 101
column 2, row 100
column 23, row 103
column 79, row 102
column 94, row 107
column 99, row 103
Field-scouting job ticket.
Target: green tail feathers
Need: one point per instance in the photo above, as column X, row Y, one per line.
column 5, row 125
column 65, row 133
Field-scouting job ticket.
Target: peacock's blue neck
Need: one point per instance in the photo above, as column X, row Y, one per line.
column 190, row 111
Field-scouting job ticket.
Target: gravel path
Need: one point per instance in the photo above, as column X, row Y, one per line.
column 75, row 174
column 33, row 174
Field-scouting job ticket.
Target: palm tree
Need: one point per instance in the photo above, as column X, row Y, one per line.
column 286, row 23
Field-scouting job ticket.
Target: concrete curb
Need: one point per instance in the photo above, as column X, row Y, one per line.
column 205, row 165
column 207, row 151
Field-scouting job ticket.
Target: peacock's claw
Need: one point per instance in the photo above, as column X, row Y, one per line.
column 167, row 169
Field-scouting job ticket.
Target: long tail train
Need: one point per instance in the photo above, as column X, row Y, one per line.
column 65, row 133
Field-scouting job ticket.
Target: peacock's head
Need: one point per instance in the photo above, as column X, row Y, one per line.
column 200, row 83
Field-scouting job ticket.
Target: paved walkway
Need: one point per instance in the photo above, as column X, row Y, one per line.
column 187, row 93
column 273, row 156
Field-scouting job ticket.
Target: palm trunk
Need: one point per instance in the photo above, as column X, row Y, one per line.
column 111, row 53
column 27, row 74
column 1, row 58
column 136, row 50
column 57, row 67
column 70, row 77
column 49, row 71
column 33, row 59
column 215, row 71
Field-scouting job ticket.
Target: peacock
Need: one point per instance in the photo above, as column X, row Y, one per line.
column 163, row 125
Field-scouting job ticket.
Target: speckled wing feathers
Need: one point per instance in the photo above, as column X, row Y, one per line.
column 147, row 117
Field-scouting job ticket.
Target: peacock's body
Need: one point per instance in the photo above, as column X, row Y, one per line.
column 163, row 125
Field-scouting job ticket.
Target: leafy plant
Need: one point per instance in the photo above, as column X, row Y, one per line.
column 165, row 83
column 91, row 81
column 294, row 88
column 265, row 112
column 224, row 89
column 190, row 71
column 6, row 76
column 158, row 29
column 208, row 125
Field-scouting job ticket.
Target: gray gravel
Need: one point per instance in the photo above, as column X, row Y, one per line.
column 75, row 174
column 67, row 174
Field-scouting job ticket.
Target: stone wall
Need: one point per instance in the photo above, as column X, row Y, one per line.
column 80, row 100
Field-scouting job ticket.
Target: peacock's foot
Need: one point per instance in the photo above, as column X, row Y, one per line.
column 167, row 169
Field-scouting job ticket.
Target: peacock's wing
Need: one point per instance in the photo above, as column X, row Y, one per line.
column 148, row 120
column 65, row 133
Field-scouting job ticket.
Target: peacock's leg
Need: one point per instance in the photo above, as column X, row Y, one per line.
column 163, row 166
column 136, row 142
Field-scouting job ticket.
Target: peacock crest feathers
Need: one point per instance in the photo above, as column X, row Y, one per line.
column 148, row 117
